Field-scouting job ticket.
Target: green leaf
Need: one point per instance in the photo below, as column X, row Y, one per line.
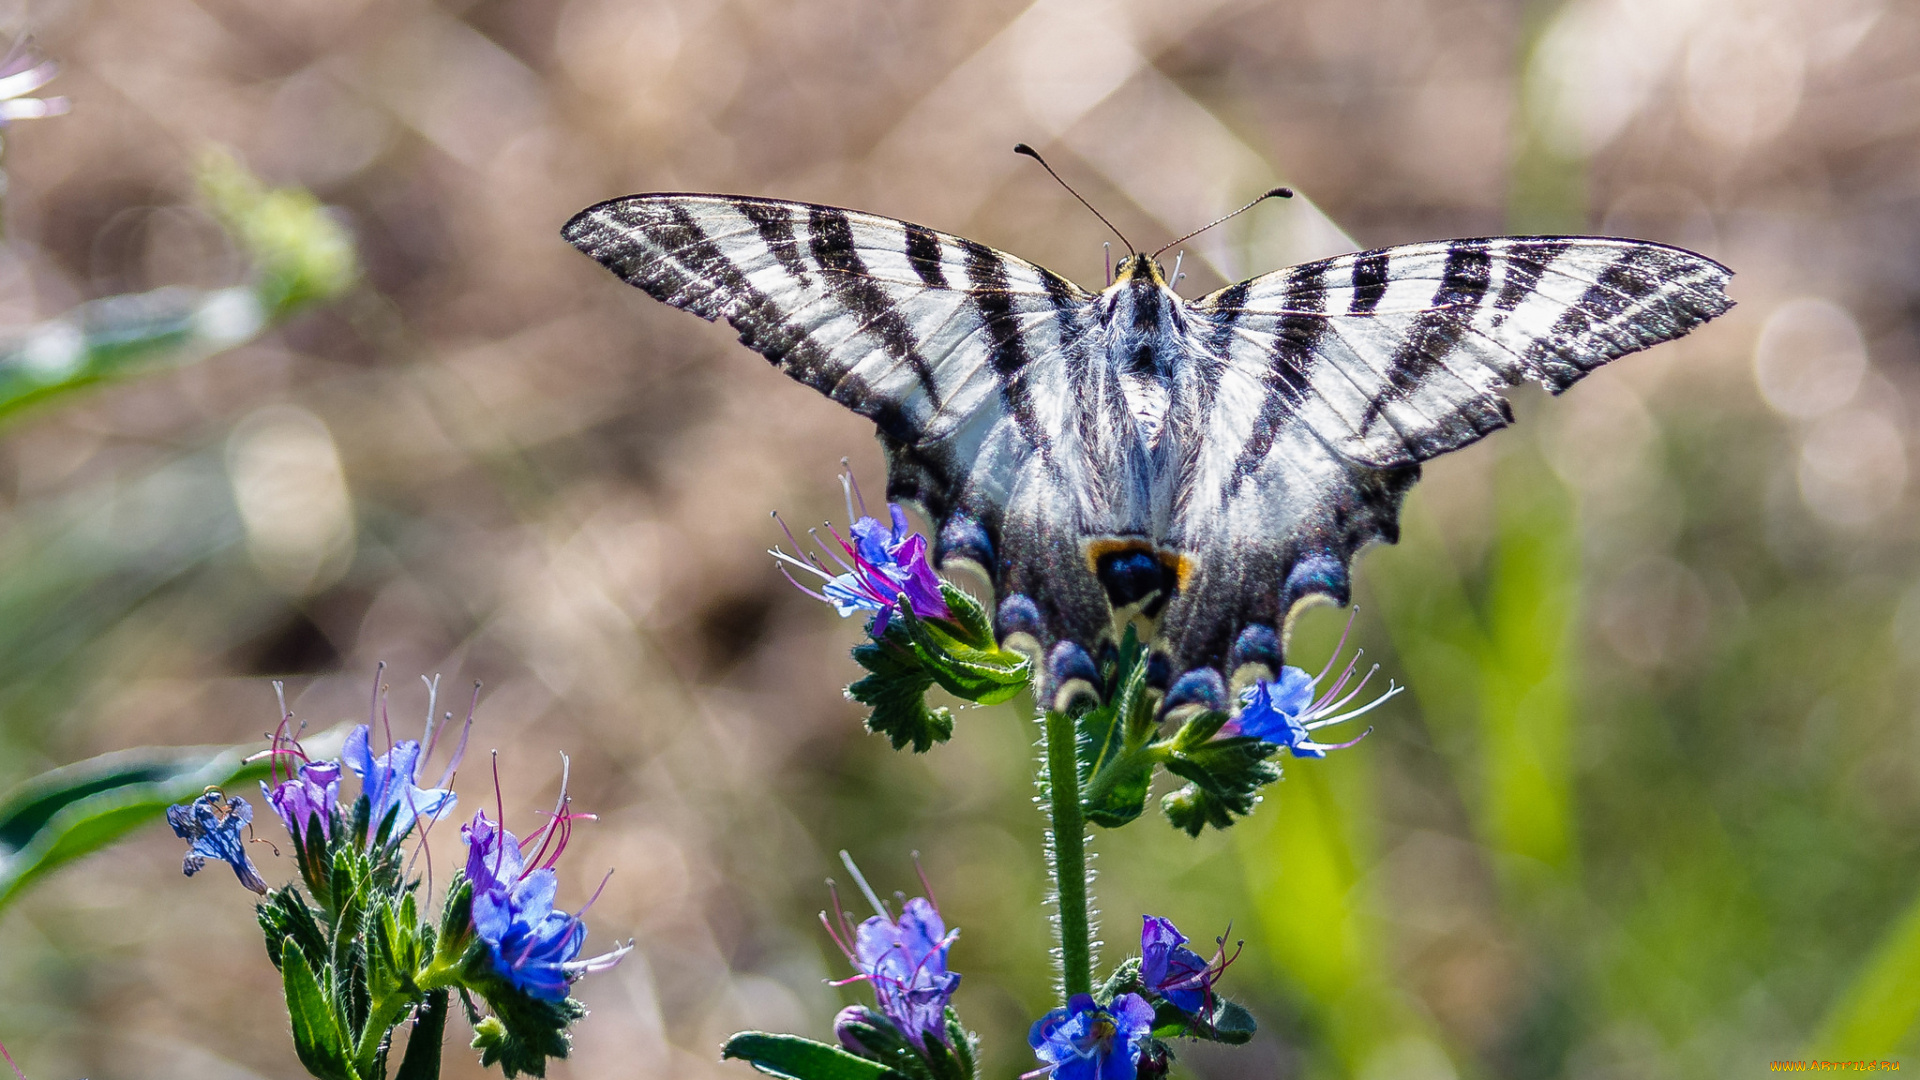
column 876, row 1038
column 422, row 1060
column 946, row 1063
column 1224, row 776
column 1222, row 1022
column 965, row 1045
column 349, row 958
column 897, row 693
column 915, row 654
column 969, row 617
column 456, row 923
column 523, row 1032
column 59, row 816
column 1124, row 980
column 795, row 1058
column 316, row 1030
column 1116, row 754
column 390, row 989
column 960, row 653
column 315, row 863
column 284, row 917
column 300, row 255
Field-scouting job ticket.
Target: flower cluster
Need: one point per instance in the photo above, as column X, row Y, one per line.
column 499, row 936
column 884, row 564
column 1167, row 991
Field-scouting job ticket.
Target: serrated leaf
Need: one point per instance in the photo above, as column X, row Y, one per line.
column 1224, row 778
column 897, row 694
column 914, row 654
column 317, row 1037
column 523, row 1031
column 60, row 815
column 795, row 1058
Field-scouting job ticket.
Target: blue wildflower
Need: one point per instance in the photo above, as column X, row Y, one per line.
column 211, row 824
column 1286, row 711
column 389, row 782
column 885, row 563
column 1171, row 970
column 306, row 796
column 530, row 944
column 905, row 959
column 1086, row 1041
column 311, row 788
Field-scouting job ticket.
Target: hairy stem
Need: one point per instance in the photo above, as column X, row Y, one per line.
column 1069, row 850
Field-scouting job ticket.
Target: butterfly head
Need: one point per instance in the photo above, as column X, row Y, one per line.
column 1140, row 268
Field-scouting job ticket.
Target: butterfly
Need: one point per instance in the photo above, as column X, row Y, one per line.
column 1197, row 469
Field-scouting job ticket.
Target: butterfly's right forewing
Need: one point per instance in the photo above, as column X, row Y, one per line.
column 1395, row 356
column 1330, row 382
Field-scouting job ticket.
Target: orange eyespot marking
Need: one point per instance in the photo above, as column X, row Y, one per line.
column 1100, row 553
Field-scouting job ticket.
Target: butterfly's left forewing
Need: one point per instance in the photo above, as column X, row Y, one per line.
column 968, row 360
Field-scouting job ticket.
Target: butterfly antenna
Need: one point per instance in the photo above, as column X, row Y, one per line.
column 1276, row 193
column 1029, row 151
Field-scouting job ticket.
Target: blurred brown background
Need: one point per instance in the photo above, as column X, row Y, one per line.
column 1649, row 811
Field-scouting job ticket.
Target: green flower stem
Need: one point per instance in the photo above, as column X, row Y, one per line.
column 443, row 974
column 1069, row 856
column 382, row 1018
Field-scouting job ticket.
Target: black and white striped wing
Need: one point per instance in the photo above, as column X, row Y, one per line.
column 1335, row 379
column 967, row 359
column 915, row 329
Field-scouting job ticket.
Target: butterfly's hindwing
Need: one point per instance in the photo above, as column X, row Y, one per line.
column 1205, row 465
